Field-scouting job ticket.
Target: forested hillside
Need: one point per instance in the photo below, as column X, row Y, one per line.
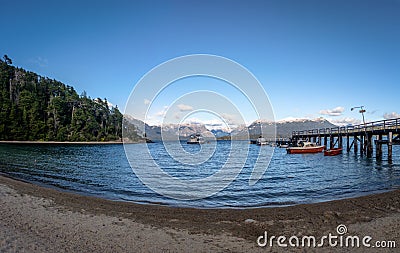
column 38, row 108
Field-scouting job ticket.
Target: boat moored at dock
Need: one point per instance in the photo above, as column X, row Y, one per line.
column 305, row 148
column 333, row 152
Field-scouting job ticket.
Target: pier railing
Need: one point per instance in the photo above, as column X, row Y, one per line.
column 382, row 125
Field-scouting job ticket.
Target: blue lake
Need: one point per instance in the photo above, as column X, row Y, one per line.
column 104, row 171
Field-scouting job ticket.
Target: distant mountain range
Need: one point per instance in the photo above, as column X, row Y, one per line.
column 169, row 131
column 284, row 129
column 218, row 133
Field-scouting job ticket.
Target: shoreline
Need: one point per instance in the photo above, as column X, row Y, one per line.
column 62, row 142
column 69, row 142
column 160, row 204
column 237, row 227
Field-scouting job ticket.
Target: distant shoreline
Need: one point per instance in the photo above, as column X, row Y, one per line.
column 95, row 142
column 66, row 142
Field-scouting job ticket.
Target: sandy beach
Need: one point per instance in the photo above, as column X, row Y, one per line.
column 38, row 219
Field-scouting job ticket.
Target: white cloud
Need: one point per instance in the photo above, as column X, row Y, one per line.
column 345, row 121
column 210, row 124
column 177, row 115
column 232, row 119
column 292, row 119
column 183, row 107
column 146, row 101
column 228, row 116
column 333, row 112
column 162, row 112
column 392, row 115
column 40, row 61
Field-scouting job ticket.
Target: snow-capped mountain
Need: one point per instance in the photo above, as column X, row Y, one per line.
column 293, row 119
column 283, row 128
column 219, row 133
column 169, row 131
column 286, row 127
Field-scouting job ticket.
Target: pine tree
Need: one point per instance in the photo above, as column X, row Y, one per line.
column 38, row 108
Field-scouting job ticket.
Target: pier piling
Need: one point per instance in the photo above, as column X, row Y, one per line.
column 369, row 145
column 390, row 143
column 355, row 144
column 331, row 142
column 378, row 144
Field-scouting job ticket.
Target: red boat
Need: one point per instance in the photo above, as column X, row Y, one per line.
column 305, row 148
column 332, row 152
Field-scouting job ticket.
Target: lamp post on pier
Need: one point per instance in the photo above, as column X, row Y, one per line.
column 362, row 111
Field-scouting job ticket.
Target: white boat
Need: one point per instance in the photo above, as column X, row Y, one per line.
column 261, row 141
column 195, row 139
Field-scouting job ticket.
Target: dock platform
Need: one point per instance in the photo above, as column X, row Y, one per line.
column 384, row 132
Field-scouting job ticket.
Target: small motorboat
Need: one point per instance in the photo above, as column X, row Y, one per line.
column 284, row 146
column 333, row 152
column 195, row 139
column 305, row 148
column 261, row 141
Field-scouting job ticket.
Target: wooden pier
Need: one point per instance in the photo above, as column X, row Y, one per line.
column 362, row 138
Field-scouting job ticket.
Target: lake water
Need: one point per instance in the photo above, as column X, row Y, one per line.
column 104, row 171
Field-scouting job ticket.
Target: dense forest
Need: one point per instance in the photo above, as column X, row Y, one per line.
column 38, row 108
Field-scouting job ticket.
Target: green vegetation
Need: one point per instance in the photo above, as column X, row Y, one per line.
column 38, row 108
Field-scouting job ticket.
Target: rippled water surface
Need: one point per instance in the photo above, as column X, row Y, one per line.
column 104, row 171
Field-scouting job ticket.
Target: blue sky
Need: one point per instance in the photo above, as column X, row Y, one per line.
column 313, row 58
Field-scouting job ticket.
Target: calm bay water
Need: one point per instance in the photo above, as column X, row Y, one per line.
column 104, row 171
